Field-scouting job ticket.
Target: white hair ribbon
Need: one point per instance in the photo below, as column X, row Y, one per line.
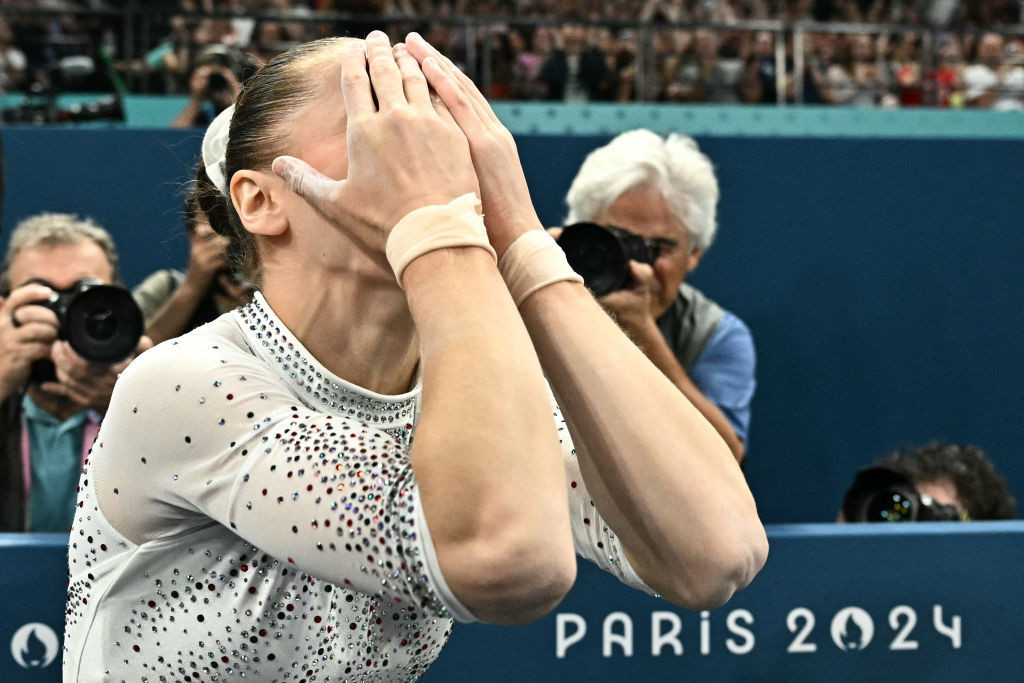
column 215, row 146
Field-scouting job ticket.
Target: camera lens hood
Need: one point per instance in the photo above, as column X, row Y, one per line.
column 596, row 253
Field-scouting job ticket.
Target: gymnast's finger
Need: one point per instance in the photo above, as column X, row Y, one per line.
column 415, row 83
column 384, row 74
column 355, row 82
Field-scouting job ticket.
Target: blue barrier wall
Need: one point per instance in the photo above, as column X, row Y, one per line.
column 880, row 276
column 855, row 603
column 603, row 118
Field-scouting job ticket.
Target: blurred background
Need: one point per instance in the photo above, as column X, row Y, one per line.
column 885, row 53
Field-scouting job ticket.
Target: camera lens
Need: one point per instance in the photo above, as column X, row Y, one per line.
column 892, row 505
column 880, row 494
column 217, row 83
column 596, row 254
column 103, row 324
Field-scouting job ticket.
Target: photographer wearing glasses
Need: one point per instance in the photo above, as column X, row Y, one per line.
column 66, row 331
column 641, row 216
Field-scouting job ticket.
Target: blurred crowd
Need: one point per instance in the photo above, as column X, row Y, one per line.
column 946, row 53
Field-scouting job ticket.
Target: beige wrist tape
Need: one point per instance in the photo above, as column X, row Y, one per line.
column 533, row 262
column 455, row 224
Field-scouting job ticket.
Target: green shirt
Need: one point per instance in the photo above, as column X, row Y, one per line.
column 55, row 450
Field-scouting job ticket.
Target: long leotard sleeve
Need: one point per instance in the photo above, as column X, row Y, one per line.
column 593, row 538
column 201, row 432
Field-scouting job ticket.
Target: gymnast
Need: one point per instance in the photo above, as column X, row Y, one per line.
column 422, row 417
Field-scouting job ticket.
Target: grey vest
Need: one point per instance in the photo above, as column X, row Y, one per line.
column 689, row 323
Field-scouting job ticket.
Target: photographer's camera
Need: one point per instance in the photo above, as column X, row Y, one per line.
column 601, row 254
column 880, row 494
column 101, row 322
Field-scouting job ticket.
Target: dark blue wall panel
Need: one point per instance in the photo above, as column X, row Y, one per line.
column 833, row 603
column 130, row 181
column 881, row 279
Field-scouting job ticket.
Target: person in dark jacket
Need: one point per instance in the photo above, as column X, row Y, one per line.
column 576, row 71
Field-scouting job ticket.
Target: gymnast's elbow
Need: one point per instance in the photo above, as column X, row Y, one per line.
column 724, row 565
column 511, row 581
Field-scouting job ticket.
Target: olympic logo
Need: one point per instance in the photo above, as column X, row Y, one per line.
column 34, row 646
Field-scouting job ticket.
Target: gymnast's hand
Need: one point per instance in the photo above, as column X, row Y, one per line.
column 404, row 153
column 507, row 206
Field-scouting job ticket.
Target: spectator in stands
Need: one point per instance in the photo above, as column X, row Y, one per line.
column 749, row 88
column 502, row 60
column 665, row 190
column 853, row 76
column 623, row 61
column 670, row 48
column 190, row 43
column 869, row 75
column 676, row 64
column 531, row 50
column 820, row 53
column 47, row 427
column 12, row 60
column 991, row 81
column 575, row 71
column 215, row 31
column 171, row 57
column 173, row 302
column 960, row 476
column 608, row 43
column 988, row 13
column 946, row 81
column 702, row 77
column 830, row 69
column 47, row 38
column 764, row 52
column 905, row 68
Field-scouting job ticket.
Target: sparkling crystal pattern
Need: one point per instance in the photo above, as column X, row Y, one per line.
column 245, row 514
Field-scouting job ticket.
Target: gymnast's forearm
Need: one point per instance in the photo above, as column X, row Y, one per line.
column 486, row 454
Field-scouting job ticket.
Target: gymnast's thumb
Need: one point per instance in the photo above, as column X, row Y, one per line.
column 307, row 182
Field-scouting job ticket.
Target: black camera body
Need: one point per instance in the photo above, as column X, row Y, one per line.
column 601, row 254
column 216, row 82
column 101, row 322
column 880, row 494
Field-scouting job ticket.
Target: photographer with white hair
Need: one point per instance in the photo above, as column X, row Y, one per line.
column 661, row 194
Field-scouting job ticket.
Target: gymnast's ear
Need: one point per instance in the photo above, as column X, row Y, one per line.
column 257, row 197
